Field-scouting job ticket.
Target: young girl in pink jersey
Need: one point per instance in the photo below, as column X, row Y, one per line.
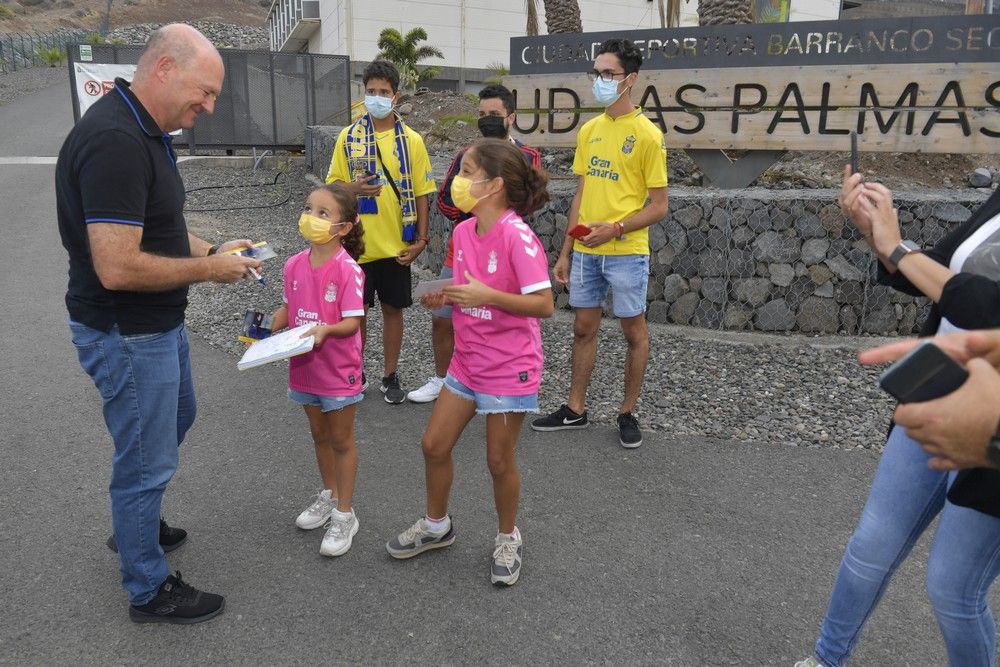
column 325, row 286
column 501, row 288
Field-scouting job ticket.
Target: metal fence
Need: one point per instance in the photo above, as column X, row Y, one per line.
column 267, row 99
column 20, row 50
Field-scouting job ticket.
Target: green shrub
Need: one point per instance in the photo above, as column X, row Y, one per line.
column 95, row 39
column 52, row 57
column 452, row 120
column 6, row 12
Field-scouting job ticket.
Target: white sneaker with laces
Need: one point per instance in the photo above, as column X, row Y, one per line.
column 427, row 393
column 317, row 514
column 506, row 565
column 340, row 531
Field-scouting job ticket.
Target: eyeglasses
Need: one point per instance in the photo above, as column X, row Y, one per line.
column 605, row 75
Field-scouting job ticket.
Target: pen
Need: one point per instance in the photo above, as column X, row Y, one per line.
column 257, row 276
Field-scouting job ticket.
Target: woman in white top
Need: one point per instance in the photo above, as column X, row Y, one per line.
column 961, row 275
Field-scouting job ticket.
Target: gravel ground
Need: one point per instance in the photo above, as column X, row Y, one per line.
column 790, row 390
column 27, row 81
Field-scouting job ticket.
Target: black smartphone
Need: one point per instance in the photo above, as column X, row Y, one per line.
column 924, row 374
column 854, row 153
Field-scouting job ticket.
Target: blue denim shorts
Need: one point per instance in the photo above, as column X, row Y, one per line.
column 490, row 404
column 325, row 403
column 627, row 276
column 445, row 310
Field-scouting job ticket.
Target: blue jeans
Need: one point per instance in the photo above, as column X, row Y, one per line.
column 491, row 404
column 905, row 497
column 627, row 276
column 145, row 384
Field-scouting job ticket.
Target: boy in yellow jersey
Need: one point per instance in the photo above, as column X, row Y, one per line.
column 385, row 164
column 620, row 161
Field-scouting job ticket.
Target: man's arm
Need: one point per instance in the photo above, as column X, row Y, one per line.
column 412, row 251
column 561, row 269
column 121, row 264
column 650, row 214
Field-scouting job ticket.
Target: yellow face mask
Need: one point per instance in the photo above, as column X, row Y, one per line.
column 461, row 193
column 315, row 230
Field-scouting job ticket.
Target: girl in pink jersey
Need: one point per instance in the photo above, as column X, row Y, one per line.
column 324, row 286
column 501, row 288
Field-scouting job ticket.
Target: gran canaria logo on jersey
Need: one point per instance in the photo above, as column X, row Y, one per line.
column 492, row 266
column 602, row 169
column 629, row 144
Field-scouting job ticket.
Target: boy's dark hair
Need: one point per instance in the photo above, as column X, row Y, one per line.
column 501, row 93
column 354, row 240
column 628, row 54
column 382, row 69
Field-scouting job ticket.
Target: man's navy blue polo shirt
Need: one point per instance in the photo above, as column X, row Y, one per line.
column 117, row 166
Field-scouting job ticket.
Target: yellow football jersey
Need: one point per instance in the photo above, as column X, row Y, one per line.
column 620, row 159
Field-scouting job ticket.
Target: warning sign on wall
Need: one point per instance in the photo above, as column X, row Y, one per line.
column 93, row 80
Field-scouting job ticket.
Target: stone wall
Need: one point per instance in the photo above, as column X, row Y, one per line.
column 757, row 259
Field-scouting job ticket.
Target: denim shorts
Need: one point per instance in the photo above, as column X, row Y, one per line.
column 445, row 310
column 325, row 403
column 590, row 276
column 490, row 404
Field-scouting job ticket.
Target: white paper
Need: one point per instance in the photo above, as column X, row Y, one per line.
column 279, row 346
column 432, row 286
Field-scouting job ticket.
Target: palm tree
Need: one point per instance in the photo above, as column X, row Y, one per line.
column 402, row 51
column 718, row 12
column 562, row 16
column 531, row 27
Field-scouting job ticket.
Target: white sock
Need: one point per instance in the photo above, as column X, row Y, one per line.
column 515, row 535
column 438, row 525
column 343, row 516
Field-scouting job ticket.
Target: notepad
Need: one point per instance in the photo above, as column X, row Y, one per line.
column 276, row 347
column 432, row 286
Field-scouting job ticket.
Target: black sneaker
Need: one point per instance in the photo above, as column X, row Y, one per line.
column 364, row 382
column 178, row 602
column 390, row 387
column 628, row 431
column 170, row 538
column 561, row 419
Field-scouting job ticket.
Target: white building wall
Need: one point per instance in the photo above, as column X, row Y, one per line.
column 352, row 27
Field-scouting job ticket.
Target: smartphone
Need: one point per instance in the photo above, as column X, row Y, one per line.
column 579, row 231
column 854, row 153
column 924, row 374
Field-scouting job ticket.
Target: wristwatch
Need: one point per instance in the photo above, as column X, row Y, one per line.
column 902, row 250
column 993, row 450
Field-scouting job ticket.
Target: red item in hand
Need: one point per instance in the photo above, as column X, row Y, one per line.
column 579, row 231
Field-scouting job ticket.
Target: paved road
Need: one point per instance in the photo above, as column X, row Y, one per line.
column 682, row 552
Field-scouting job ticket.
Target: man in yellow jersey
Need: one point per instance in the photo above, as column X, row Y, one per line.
column 620, row 161
column 385, row 164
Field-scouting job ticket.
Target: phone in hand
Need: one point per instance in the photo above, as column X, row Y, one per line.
column 579, row 231
column 924, row 374
column 854, row 153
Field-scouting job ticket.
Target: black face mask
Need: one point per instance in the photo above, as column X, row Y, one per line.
column 493, row 127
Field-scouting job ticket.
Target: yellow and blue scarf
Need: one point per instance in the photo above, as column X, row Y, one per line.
column 363, row 133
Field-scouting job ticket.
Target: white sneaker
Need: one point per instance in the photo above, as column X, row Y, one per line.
column 809, row 662
column 340, row 531
column 316, row 514
column 427, row 393
column 506, row 565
